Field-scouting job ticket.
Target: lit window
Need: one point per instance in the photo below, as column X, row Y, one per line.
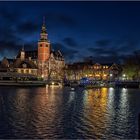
column 22, row 71
column 24, row 65
column 19, row 71
column 32, row 71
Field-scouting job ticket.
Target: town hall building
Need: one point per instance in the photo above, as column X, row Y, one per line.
column 42, row 63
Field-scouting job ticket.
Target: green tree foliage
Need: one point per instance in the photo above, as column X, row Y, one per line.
column 132, row 66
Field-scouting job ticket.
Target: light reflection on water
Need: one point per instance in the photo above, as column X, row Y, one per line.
column 55, row 112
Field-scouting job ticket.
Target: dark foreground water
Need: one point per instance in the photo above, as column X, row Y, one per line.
column 61, row 113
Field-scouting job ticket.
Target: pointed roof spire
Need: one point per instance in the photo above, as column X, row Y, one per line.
column 23, row 47
column 43, row 30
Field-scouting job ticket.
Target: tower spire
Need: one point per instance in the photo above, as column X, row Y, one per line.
column 22, row 53
column 23, row 47
column 43, row 31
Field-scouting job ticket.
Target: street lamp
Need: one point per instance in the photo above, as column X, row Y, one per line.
column 110, row 77
column 123, row 76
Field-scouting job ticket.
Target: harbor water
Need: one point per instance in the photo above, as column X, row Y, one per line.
column 62, row 113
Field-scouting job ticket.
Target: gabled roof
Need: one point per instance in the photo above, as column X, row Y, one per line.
column 4, row 63
column 24, row 64
column 106, row 64
column 57, row 54
column 33, row 54
column 97, row 64
column 27, row 64
column 11, row 61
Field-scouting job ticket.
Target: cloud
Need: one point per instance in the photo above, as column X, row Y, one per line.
column 10, row 16
column 67, row 52
column 60, row 19
column 67, row 20
column 13, row 28
column 126, row 46
column 113, row 51
column 10, row 41
column 103, row 43
column 106, row 59
column 27, row 27
column 30, row 46
column 9, row 49
column 122, row 46
column 70, row 42
column 102, row 51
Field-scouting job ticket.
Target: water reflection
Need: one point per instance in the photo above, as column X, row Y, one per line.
column 56, row 112
column 95, row 109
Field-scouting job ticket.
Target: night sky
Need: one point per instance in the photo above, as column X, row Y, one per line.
column 107, row 31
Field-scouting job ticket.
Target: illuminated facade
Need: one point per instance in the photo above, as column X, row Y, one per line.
column 95, row 71
column 42, row 63
column 43, row 53
column 50, row 63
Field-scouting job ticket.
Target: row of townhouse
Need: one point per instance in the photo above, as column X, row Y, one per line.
column 96, row 71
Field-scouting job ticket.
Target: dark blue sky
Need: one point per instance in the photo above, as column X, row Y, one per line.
column 108, row 31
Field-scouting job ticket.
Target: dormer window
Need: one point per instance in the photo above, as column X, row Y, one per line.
column 24, row 65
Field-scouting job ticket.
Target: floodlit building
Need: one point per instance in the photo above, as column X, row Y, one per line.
column 94, row 71
column 42, row 63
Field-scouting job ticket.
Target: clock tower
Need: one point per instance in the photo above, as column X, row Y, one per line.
column 43, row 52
column 43, row 45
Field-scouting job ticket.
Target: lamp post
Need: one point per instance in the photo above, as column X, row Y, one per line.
column 123, row 76
column 110, row 76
